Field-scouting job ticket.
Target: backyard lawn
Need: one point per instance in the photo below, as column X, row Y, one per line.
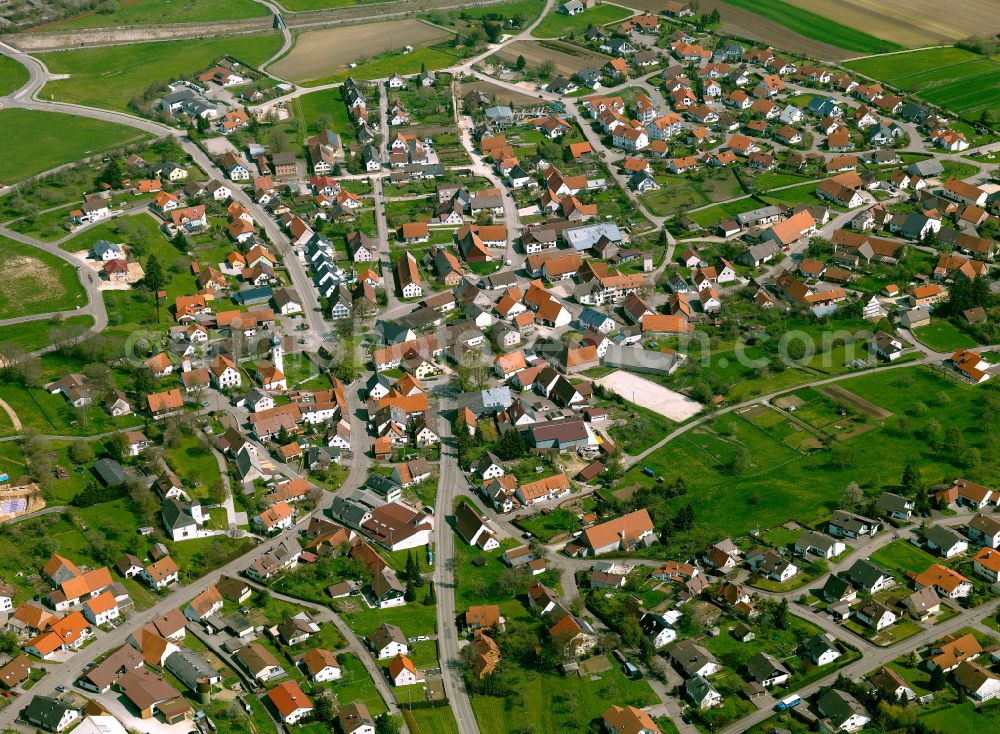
column 943, row 336
column 902, row 557
column 110, row 77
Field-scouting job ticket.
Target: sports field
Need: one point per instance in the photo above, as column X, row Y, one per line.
column 36, row 282
column 958, row 80
column 812, row 25
column 317, row 54
column 36, row 141
column 160, row 12
column 110, row 77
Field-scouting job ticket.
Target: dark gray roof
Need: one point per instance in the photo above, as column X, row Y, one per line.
column 110, row 472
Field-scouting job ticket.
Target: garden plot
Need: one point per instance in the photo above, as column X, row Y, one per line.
column 649, row 395
column 842, row 395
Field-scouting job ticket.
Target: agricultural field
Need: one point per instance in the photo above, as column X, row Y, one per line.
column 566, row 59
column 322, row 53
column 913, row 23
column 160, row 12
column 37, row 141
column 299, row 6
column 111, row 77
column 12, row 75
column 555, row 25
column 36, row 282
column 958, row 80
column 823, row 29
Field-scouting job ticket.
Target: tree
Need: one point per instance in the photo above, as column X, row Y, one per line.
column 386, row 724
column 155, row 279
column 684, row 519
column 853, row 496
column 411, row 592
column 843, row 456
column 742, row 462
column 521, row 63
column 430, row 598
column 912, row 481
column 112, row 174
column 781, row 615
column 80, row 452
column 323, row 709
column 118, row 445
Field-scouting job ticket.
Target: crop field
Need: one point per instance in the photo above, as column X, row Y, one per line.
column 36, row 282
column 555, row 24
column 910, row 22
column 745, row 23
column 567, row 59
column 796, row 17
column 317, row 54
column 956, row 79
column 160, row 12
column 36, row 141
column 110, row 77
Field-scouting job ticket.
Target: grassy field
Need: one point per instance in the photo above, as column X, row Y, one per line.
column 943, row 336
column 555, row 24
column 36, row 281
column 815, row 26
column 110, row 77
column 902, row 557
column 12, row 75
column 962, row 718
column 159, row 12
column 807, row 485
column 36, row 141
column 33, row 335
column 677, row 192
column 954, row 78
column 383, row 65
column 431, row 721
column 549, row 702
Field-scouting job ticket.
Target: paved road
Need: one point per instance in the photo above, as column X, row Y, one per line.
column 450, row 479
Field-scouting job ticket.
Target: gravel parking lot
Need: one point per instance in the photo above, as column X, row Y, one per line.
column 648, row 394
